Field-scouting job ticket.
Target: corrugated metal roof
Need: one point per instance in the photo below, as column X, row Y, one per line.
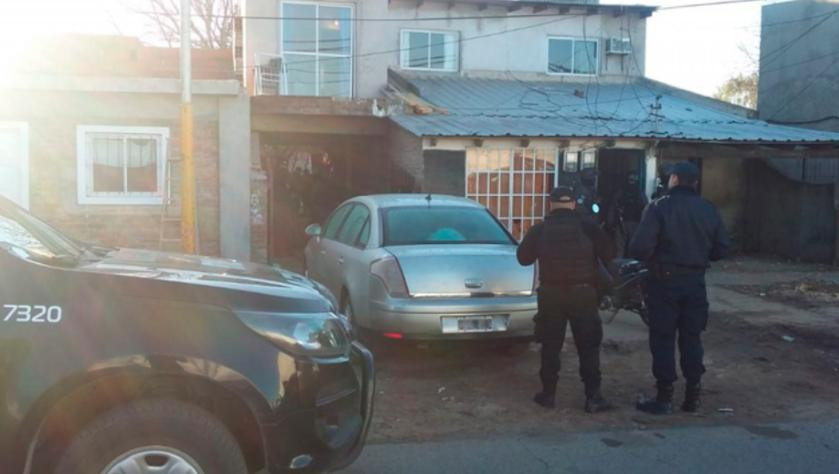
column 478, row 107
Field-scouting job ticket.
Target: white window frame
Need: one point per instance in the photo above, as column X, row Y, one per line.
column 316, row 55
column 23, row 130
column 573, row 56
column 404, row 49
column 84, row 172
column 581, row 159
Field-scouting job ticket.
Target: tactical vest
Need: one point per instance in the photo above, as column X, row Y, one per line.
column 566, row 253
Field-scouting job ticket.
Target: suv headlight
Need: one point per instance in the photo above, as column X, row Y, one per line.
column 313, row 334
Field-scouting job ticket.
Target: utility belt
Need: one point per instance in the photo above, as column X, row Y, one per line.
column 667, row 270
column 564, row 286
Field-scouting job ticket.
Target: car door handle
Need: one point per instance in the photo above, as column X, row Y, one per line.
column 340, row 260
column 323, row 252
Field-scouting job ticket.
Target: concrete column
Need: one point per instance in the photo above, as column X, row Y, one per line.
column 234, row 176
column 650, row 170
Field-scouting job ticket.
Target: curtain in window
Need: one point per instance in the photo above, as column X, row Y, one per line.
column 141, row 165
column 107, row 164
column 122, row 164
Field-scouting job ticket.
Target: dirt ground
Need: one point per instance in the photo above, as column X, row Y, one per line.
column 804, row 293
column 757, row 372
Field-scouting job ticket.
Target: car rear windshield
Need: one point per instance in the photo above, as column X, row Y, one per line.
column 442, row 225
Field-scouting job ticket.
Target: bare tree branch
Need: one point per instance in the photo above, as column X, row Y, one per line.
column 212, row 22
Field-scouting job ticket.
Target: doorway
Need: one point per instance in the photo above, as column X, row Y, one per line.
column 614, row 166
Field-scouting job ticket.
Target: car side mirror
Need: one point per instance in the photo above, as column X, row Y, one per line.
column 313, row 230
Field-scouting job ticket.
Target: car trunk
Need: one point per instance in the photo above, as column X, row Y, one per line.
column 463, row 270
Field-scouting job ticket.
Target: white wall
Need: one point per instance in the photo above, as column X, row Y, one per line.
column 523, row 50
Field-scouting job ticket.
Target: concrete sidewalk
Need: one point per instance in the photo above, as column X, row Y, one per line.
column 801, row 447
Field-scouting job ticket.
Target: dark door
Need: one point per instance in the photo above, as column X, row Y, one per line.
column 614, row 166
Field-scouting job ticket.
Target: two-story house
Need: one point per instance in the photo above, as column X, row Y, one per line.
column 496, row 100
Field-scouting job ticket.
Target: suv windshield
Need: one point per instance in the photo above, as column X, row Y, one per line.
column 19, row 229
column 442, row 225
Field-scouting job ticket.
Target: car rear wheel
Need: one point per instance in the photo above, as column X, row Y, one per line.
column 153, row 436
column 373, row 341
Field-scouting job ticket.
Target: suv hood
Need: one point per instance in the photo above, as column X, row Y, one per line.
column 210, row 272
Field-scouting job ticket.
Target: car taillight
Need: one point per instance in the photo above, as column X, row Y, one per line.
column 387, row 270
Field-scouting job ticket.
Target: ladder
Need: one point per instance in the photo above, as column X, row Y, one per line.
column 170, row 214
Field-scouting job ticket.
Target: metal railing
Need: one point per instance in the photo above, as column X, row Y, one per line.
column 270, row 77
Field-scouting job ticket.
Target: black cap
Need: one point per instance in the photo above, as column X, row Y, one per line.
column 685, row 170
column 562, row 194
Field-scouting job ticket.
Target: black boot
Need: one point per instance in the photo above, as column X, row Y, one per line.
column 545, row 399
column 596, row 403
column 692, row 402
column 662, row 404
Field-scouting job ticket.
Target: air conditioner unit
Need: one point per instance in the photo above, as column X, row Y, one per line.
column 618, row 46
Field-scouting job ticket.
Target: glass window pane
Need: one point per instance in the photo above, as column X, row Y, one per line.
column 559, row 55
column 364, row 237
column 589, row 159
column 141, row 165
column 438, row 51
column 451, row 48
column 334, row 28
column 334, row 76
column 299, row 31
column 585, row 57
column 570, row 165
column 456, row 225
column 301, row 74
column 335, row 221
column 352, row 226
column 107, row 164
column 418, row 49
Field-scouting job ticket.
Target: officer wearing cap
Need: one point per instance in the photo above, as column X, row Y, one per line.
column 679, row 234
column 567, row 247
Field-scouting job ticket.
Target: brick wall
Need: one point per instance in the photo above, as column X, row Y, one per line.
column 406, row 162
column 53, row 185
column 259, row 203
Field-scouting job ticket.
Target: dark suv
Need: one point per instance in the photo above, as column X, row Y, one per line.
column 116, row 360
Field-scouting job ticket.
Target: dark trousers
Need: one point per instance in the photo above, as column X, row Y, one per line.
column 557, row 308
column 678, row 304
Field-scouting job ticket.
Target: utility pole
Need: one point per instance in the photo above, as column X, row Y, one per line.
column 187, row 159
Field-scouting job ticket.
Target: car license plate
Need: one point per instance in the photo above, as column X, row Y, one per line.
column 470, row 324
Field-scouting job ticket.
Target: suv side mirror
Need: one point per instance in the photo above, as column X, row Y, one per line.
column 313, row 230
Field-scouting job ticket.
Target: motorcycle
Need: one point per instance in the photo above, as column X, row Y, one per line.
column 625, row 290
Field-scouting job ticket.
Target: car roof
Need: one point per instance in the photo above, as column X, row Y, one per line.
column 405, row 200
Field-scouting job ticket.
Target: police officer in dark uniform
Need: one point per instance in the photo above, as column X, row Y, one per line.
column 678, row 235
column 567, row 247
column 625, row 212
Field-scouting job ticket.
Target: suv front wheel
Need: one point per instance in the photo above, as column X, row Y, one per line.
column 154, row 436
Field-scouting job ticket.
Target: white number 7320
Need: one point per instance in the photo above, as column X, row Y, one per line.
column 24, row 313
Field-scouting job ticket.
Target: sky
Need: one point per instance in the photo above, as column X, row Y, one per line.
column 695, row 49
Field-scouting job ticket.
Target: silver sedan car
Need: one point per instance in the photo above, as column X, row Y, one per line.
column 410, row 266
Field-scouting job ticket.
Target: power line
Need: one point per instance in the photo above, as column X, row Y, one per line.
column 357, row 19
column 708, row 4
column 805, row 122
column 457, row 18
column 804, row 89
column 777, row 52
column 460, row 40
column 798, row 63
